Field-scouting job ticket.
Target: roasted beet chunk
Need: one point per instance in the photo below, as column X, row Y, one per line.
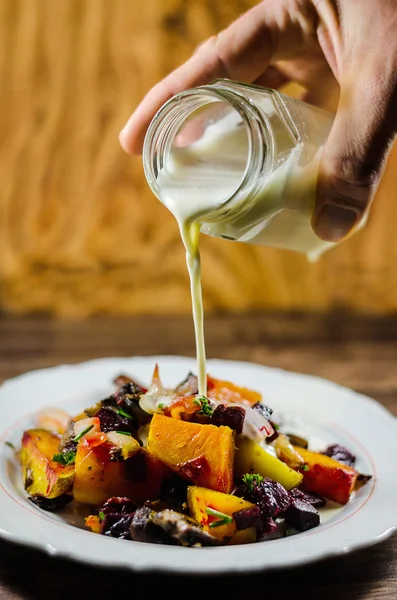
column 311, row 497
column 302, row 515
column 117, row 526
column 51, row 504
column 110, row 420
column 118, row 505
column 272, row 499
column 248, row 517
column 341, row 454
column 231, row 416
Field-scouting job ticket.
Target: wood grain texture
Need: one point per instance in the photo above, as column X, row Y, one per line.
column 80, row 232
column 357, row 352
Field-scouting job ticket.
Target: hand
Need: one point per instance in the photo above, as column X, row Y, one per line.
column 343, row 50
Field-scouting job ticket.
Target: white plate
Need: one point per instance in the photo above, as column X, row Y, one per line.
column 315, row 408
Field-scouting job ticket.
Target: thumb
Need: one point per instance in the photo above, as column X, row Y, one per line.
column 354, row 154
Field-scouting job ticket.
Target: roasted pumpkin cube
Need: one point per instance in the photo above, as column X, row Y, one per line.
column 41, row 475
column 326, row 476
column 98, row 476
column 202, row 454
column 252, row 458
column 202, row 501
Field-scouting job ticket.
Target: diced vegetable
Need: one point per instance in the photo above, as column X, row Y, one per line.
column 252, row 458
column 287, row 453
column 125, row 442
column 98, row 476
column 203, row 454
column 227, row 392
column 302, row 515
column 43, row 476
column 327, row 477
column 203, row 506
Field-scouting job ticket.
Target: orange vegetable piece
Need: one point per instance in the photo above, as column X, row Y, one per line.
column 199, row 499
column 93, row 522
column 184, row 408
column 97, row 478
column 203, row 454
column 225, row 391
column 327, row 476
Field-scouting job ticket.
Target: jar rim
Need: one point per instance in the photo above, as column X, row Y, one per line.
column 170, row 117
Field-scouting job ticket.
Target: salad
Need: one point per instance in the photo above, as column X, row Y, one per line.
column 166, row 465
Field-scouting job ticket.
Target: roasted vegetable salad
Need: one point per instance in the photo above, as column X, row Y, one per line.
column 168, row 466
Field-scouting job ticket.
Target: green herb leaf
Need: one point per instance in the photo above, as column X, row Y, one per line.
column 65, row 459
column 219, row 523
column 123, row 413
column 124, row 433
column 205, row 406
column 276, row 426
column 10, row 445
column 305, row 467
column 223, row 519
column 78, row 437
column 161, row 405
column 101, row 515
column 251, row 479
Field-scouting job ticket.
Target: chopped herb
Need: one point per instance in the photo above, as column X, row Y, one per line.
column 305, row 467
column 65, row 459
column 123, row 413
column 205, row 406
column 101, row 515
column 251, row 479
column 10, row 445
column 223, row 519
column 78, row 437
column 161, row 405
column 220, row 522
column 276, row 426
column 124, row 433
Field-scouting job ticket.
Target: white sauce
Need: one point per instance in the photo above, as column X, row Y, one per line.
column 197, row 179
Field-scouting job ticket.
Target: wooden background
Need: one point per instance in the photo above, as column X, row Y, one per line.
column 80, row 233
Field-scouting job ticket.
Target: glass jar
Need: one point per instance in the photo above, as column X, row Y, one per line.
column 243, row 160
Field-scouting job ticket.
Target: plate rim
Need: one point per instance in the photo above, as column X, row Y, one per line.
column 297, row 561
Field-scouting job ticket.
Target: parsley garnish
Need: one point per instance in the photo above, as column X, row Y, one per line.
column 223, row 519
column 305, row 467
column 123, row 413
column 251, row 479
column 205, row 406
column 65, row 459
column 124, row 433
column 101, row 515
column 161, row 405
column 78, row 437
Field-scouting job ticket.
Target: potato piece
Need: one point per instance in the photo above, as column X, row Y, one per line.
column 98, row 477
column 252, row 458
column 199, row 499
column 202, row 454
column 326, row 476
column 41, row 475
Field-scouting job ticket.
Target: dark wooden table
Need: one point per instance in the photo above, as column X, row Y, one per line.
column 360, row 353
